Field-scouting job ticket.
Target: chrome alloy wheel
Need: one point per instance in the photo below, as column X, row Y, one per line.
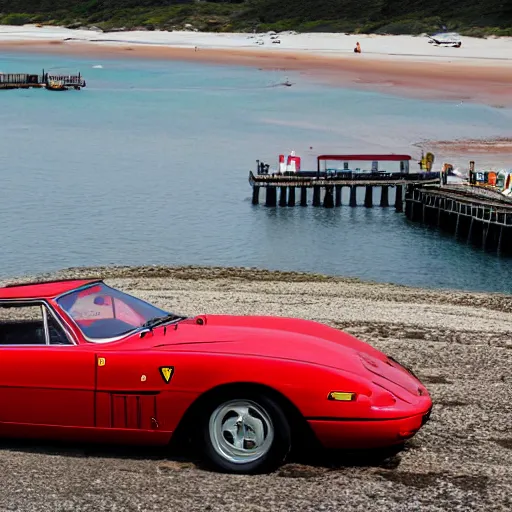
column 241, row 431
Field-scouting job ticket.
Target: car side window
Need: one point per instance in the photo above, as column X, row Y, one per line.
column 22, row 324
column 29, row 324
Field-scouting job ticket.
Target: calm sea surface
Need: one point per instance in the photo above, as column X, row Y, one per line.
column 149, row 165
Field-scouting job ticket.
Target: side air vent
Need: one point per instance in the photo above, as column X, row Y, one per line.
column 132, row 411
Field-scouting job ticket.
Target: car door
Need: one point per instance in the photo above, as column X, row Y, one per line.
column 128, row 389
column 45, row 378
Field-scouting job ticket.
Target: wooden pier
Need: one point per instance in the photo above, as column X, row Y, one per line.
column 47, row 80
column 481, row 216
column 327, row 182
column 327, row 188
column 481, row 220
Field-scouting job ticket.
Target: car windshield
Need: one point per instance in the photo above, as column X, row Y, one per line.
column 102, row 312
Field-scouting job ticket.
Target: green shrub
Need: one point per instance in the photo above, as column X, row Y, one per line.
column 326, row 26
column 16, row 19
column 405, row 27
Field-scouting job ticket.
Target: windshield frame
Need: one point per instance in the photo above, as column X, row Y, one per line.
column 113, row 338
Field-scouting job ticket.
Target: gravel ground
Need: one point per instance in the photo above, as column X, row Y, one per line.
column 458, row 343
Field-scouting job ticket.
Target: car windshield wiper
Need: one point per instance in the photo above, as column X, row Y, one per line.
column 159, row 320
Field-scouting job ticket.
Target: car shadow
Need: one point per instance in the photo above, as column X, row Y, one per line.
column 326, row 460
column 386, row 458
column 83, row 450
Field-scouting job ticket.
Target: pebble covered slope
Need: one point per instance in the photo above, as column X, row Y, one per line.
column 458, row 343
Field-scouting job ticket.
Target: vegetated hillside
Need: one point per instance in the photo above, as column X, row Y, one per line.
column 475, row 17
column 391, row 16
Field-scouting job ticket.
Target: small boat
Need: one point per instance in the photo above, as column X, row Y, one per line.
column 56, row 85
column 446, row 39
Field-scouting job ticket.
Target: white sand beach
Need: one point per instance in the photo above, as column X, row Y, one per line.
column 495, row 51
column 480, row 70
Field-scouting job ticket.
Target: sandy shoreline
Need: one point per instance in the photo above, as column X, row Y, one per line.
column 479, row 71
column 457, row 342
column 486, row 153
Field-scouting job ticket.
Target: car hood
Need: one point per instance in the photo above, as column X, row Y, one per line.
column 283, row 338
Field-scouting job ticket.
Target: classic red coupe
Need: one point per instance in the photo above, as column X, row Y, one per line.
column 80, row 360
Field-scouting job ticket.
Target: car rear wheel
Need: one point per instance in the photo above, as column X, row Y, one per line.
column 245, row 435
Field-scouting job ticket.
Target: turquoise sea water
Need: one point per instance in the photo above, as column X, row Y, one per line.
column 150, row 162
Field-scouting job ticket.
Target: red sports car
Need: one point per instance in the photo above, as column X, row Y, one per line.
column 80, row 360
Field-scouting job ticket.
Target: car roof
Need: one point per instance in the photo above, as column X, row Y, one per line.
column 43, row 289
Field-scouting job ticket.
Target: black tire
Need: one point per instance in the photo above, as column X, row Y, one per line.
column 277, row 451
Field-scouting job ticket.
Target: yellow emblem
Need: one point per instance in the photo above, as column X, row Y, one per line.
column 101, row 361
column 166, row 372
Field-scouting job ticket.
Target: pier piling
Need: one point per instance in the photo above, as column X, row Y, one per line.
column 384, row 196
column 303, row 196
column 271, row 197
column 282, row 197
column 328, row 198
column 339, row 190
column 291, row 196
column 353, row 195
column 399, row 207
column 256, row 195
column 500, row 238
column 316, row 196
column 368, row 197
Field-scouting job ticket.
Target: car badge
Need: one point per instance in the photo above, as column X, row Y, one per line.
column 166, row 372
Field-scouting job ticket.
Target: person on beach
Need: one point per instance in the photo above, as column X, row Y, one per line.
column 357, row 49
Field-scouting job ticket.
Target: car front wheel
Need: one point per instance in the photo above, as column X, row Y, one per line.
column 243, row 435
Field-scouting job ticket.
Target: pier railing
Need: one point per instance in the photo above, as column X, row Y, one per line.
column 312, row 178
